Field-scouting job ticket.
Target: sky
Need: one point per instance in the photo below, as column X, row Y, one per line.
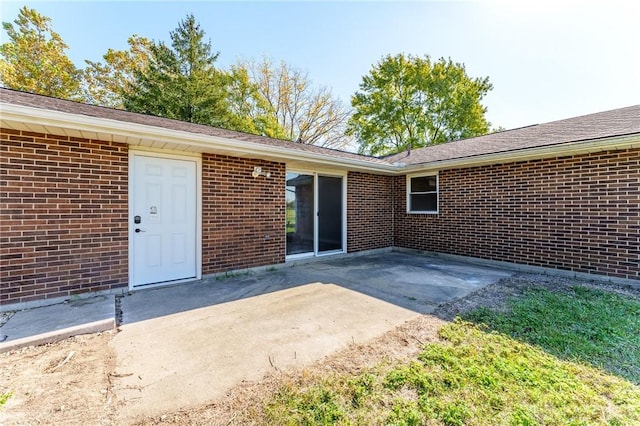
column 547, row 60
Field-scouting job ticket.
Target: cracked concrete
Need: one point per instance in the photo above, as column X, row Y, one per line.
column 185, row 345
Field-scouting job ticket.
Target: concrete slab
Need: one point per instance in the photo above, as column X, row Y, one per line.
column 56, row 322
column 191, row 357
column 184, row 345
column 414, row 282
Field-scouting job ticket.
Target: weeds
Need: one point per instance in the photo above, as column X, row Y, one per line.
column 538, row 363
column 4, row 397
column 584, row 325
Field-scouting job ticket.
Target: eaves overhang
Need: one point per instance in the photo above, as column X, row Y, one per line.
column 612, row 143
column 41, row 120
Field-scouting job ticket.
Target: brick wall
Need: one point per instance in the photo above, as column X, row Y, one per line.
column 243, row 218
column 580, row 213
column 63, row 216
column 369, row 211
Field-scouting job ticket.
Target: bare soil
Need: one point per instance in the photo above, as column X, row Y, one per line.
column 69, row 382
column 66, row 382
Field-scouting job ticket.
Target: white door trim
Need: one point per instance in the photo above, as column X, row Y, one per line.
column 315, row 253
column 158, row 154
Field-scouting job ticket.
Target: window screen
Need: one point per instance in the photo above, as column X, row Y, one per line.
column 423, row 194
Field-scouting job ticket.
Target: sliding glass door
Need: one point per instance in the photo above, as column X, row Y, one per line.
column 314, row 214
column 329, row 213
column 300, row 213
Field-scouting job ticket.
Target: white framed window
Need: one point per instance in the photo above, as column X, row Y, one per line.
column 422, row 194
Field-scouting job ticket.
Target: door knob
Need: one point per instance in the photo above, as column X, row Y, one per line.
column 139, row 230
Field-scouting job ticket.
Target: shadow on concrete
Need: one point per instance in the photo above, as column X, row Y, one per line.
column 415, row 282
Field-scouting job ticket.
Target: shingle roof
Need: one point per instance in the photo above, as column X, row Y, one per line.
column 54, row 104
column 617, row 122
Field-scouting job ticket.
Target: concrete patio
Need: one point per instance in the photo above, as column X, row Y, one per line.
column 185, row 345
column 181, row 346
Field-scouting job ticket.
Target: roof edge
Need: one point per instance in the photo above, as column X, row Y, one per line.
column 60, row 119
column 610, row 143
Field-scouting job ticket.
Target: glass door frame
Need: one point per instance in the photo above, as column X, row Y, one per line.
column 315, row 253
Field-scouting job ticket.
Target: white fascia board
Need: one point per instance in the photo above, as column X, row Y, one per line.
column 558, row 150
column 44, row 117
column 48, row 118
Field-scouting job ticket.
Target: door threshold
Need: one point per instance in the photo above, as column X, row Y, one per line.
column 163, row 283
column 308, row 258
column 299, row 256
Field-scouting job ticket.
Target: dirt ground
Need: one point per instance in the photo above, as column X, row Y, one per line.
column 69, row 382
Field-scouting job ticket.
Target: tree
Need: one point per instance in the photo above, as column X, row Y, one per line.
column 106, row 83
column 181, row 81
column 250, row 112
column 34, row 60
column 308, row 114
column 409, row 101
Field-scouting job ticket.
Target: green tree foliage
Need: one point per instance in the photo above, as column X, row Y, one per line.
column 409, row 101
column 34, row 58
column 307, row 113
column 250, row 112
column 105, row 83
column 180, row 81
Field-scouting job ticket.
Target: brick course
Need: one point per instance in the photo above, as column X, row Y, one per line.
column 63, row 216
column 580, row 213
column 369, row 211
column 243, row 218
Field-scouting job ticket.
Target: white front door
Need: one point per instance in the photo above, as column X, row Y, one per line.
column 163, row 220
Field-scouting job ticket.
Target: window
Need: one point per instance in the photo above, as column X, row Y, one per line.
column 422, row 194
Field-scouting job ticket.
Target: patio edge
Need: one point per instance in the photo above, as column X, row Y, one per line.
column 523, row 268
column 57, row 335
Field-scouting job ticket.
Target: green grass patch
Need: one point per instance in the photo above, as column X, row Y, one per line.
column 4, row 397
column 227, row 275
column 290, row 219
column 473, row 377
column 552, row 358
column 584, row 325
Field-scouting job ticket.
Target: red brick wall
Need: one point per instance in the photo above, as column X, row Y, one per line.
column 580, row 213
column 63, row 216
column 243, row 218
column 369, row 211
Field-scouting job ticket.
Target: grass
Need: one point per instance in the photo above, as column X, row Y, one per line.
column 290, row 218
column 236, row 274
column 584, row 325
column 538, row 363
column 4, row 397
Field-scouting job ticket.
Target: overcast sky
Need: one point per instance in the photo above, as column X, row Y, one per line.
column 547, row 60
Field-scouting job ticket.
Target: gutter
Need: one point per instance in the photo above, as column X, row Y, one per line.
column 612, row 143
column 209, row 143
column 204, row 143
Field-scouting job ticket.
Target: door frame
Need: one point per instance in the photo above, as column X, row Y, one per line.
column 316, row 253
column 195, row 157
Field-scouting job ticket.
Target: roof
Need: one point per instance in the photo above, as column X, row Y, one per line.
column 617, row 122
column 53, row 104
column 34, row 112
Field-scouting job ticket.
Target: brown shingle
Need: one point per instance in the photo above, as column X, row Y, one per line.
column 617, row 122
column 53, row 104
